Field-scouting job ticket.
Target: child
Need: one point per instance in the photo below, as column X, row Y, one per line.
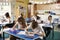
column 21, row 25
column 5, row 21
column 48, row 26
column 6, row 18
column 36, row 29
column 36, row 18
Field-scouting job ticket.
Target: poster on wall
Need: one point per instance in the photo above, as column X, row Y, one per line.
column 22, row 10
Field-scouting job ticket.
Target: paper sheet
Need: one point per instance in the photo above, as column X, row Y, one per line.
column 22, row 32
column 6, row 29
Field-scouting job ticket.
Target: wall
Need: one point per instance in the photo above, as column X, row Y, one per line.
column 23, row 3
column 4, row 9
column 54, row 11
column 47, row 6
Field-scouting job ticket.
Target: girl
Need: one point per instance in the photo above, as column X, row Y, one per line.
column 6, row 18
column 21, row 25
column 36, row 29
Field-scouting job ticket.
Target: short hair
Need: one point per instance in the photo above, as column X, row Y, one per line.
column 22, row 20
column 29, row 3
column 34, row 24
column 7, row 14
column 49, row 16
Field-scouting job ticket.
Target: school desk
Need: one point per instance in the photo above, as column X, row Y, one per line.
column 20, row 36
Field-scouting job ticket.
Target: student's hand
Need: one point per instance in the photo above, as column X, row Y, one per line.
column 41, row 34
column 22, row 29
column 13, row 28
column 30, row 32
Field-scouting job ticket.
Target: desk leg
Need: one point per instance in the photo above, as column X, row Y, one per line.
column 21, row 39
column 3, row 36
column 53, row 33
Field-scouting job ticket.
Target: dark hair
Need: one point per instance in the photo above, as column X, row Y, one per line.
column 37, row 17
column 29, row 3
column 22, row 20
column 49, row 16
column 21, row 15
column 7, row 15
column 34, row 24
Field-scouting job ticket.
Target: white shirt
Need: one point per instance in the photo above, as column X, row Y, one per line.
column 48, row 23
column 34, row 18
column 36, row 30
column 19, row 25
column 5, row 21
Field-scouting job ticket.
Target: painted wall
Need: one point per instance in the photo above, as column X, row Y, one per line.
column 48, row 7
column 23, row 3
column 4, row 9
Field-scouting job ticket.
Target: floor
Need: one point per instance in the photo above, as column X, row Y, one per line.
column 55, row 37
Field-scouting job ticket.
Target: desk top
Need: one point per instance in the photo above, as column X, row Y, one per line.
column 21, row 35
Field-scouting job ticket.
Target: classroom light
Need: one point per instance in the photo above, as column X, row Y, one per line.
column 45, row 2
column 7, row 0
column 41, row 2
column 48, row 2
column 36, row 2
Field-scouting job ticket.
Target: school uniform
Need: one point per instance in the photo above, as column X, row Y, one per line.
column 19, row 26
column 36, row 18
column 7, row 20
column 48, row 27
column 3, row 22
column 37, row 30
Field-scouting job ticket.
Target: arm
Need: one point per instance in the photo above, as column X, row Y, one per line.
column 28, row 27
column 42, row 33
column 15, row 25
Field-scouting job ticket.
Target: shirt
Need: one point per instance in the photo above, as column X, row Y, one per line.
column 48, row 23
column 34, row 18
column 19, row 25
column 38, row 30
column 6, row 20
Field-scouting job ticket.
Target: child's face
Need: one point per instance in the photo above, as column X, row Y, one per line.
column 49, row 18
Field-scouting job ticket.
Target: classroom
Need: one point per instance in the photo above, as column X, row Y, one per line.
column 29, row 19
